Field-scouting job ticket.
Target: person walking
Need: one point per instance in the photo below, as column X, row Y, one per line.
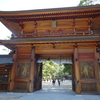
column 53, row 82
column 58, row 82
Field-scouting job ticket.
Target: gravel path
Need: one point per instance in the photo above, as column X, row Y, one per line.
column 50, row 92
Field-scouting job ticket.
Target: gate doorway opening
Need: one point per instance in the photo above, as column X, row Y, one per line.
column 56, row 68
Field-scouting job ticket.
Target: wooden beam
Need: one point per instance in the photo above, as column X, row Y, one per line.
column 13, row 72
column 54, row 51
column 44, row 44
column 97, row 68
column 37, row 83
column 22, row 80
column 80, row 44
column 86, row 50
column 31, row 81
column 41, row 76
column 77, row 71
column 73, row 76
column 9, row 78
column 89, row 81
column 55, row 55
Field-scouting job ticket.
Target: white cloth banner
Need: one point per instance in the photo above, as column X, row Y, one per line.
column 58, row 60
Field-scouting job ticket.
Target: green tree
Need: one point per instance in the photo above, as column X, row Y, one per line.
column 60, row 72
column 87, row 2
column 67, row 69
column 49, row 69
column 53, row 70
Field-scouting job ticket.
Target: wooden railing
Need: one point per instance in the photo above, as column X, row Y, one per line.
column 57, row 34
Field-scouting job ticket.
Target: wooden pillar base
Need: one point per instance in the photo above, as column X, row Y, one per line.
column 13, row 71
column 37, row 87
column 31, row 81
column 41, row 76
column 77, row 73
column 78, row 88
column 97, row 68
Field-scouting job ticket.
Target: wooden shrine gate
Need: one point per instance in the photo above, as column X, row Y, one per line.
column 73, row 31
column 26, row 73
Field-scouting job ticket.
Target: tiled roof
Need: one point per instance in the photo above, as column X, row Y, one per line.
column 6, row 60
column 54, row 39
column 50, row 9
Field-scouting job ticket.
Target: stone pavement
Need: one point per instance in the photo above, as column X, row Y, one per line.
column 50, row 92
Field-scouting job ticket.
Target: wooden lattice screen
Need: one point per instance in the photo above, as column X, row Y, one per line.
column 20, row 86
column 89, row 87
column 3, row 78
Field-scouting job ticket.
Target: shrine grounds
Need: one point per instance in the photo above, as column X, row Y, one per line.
column 49, row 92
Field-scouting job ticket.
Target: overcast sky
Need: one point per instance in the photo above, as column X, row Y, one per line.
column 35, row 4
column 12, row 5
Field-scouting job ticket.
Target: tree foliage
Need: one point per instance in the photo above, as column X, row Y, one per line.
column 49, row 69
column 53, row 70
column 67, row 69
column 60, row 71
column 87, row 2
